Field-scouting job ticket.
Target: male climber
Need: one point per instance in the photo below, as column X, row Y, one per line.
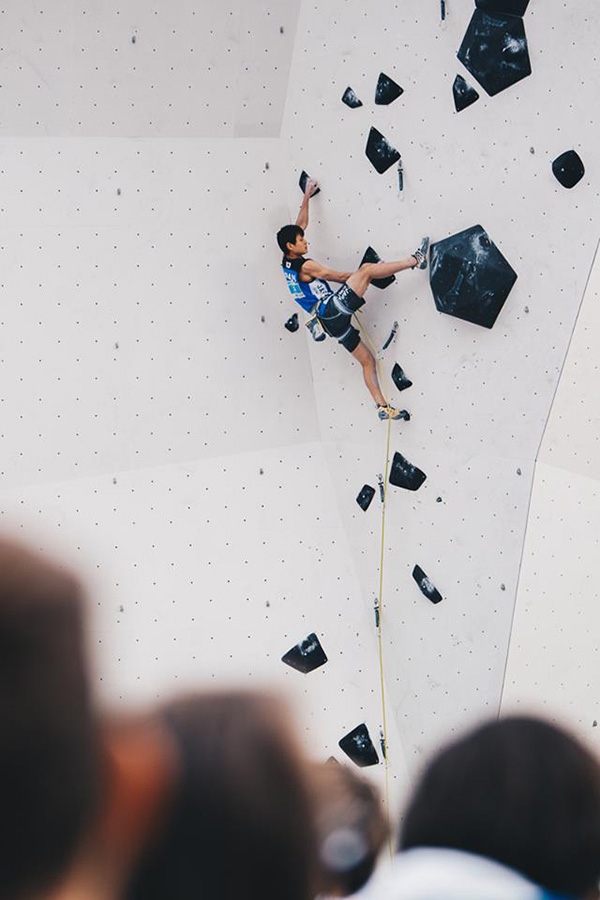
column 308, row 284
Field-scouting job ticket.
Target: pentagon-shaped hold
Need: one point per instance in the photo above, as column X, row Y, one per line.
column 292, row 323
column 469, row 277
column 350, row 99
column 371, row 256
column 387, row 90
column 366, row 495
column 359, row 747
column 426, row 586
column 464, row 94
column 400, row 379
column 509, row 7
column 304, row 179
column 568, row 168
column 403, row 474
column 306, row 656
column 494, row 50
column 380, row 152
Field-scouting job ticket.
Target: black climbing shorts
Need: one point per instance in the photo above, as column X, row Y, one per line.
column 336, row 317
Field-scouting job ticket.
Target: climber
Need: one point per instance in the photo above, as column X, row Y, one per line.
column 308, row 282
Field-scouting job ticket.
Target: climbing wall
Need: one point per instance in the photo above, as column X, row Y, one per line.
column 199, row 461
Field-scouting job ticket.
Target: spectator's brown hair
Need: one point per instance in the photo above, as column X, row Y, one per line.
column 351, row 828
column 47, row 734
column 520, row 791
column 240, row 823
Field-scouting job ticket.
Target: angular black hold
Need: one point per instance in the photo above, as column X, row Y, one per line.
column 387, row 90
column 366, row 495
column 509, row 7
column 403, row 474
column 292, row 323
column 464, row 94
column 359, row 747
column 380, row 152
column 350, row 99
column 400, row 379
column 304, row 178
column 306, row 656
column 372, row 256
column 469, row 277
column 427, row 588
column 494, row 50
column 568, row 168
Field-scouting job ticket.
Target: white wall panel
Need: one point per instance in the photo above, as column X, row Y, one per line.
column 141, row 184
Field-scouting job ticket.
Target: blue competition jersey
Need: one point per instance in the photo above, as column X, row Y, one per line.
column 306, row 293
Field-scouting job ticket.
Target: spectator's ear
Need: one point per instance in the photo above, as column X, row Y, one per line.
column 142, row 770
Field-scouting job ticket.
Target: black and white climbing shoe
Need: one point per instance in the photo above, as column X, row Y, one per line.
column 421, row 254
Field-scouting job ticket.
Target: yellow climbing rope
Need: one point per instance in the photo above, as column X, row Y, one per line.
column 385, row 750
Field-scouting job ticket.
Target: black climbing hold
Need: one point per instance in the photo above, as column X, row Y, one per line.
column 366, row 495
column 469, row 277
column 404, row 414
column 306, row 656
column 304, row 179
column 292, row 323
column 508, row 7
column 464, row 94
column 359, row 747
column 400, row 379
column 380, row 152
column 403, row 474
column 427, row 588
column 372, row 256
column 350, row 99
column 494, row 50
column 568, row 168
column 387, row 90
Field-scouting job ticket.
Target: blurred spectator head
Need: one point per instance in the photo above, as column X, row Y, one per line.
column 519, row 791
column 239, row 822
column 48, row 742
column 351, row 828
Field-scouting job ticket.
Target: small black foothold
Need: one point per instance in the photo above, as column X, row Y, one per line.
column 350, row 99
column 568, row 168
column 304, row 179
column 306, row 656
column 133, row 39
column 380, row 152
column 268, row 604
column 114, row 480
column 400, row 379
column 502, row 587
column 357, row 744
column 366, row 495
column 281, row 30
column 262, row 318
column 426, row 586
column 267, row 166
column 526, row 309
column 403, row 474
column 117, row 346
column 464, row 94
column 387, row 90
column 261, row 471
column 532, row 150
column 118, row 192
column 594, row 724
column 372, row 256
column 519, row 472
column 292, row 323
column 438, row 500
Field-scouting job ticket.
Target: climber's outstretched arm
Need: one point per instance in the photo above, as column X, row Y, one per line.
column 316, row 270
column 302, row 220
